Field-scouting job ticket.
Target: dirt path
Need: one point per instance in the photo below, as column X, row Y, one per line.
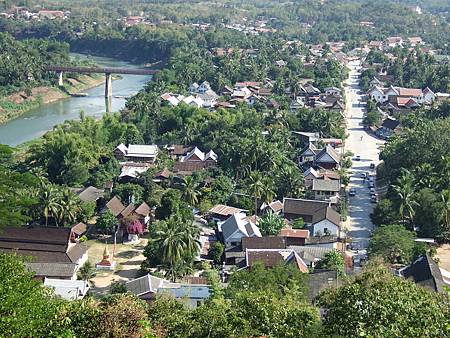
column 128, row 260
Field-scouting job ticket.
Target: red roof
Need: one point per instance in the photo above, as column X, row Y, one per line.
column 296, row 233
column 410, row 92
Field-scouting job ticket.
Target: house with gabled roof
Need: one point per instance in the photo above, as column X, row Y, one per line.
column 235, row 228
column 54, row 251
column 221, row 212
column 273, row 257
column 318, row 215
column 425, row 272
column 137, row 152
column 327, row 158
column 308, row 154
column 325, row 189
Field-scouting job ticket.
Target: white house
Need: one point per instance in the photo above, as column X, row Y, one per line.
column 236, row 227
column 204, row 87
column 326, row 221
column 68, row 289
column 137, row 152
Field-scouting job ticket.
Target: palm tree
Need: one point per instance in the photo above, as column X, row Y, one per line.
column 256, row 187
column 190, row 190
column 261, row 188
column 405, row 192
column 69, row 207
column 445, row 197
column 49, row 200
column 176, row 242
column 86, row 272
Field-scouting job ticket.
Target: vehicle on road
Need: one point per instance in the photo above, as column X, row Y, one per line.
column 372, row 191
column 363, row 175
column 371, row 185
column 372, row 165
column 357, row 158
column 352, row 192
column 374, row 199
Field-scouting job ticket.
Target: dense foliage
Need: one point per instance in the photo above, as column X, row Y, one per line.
column 378, row 304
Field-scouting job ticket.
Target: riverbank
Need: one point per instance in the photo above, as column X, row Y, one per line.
column 21, row 102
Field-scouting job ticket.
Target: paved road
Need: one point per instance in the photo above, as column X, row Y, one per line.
column 367, row 147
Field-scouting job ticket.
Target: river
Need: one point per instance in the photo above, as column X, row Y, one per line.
column 38, row 121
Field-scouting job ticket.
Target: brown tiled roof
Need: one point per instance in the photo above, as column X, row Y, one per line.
column 268, row 242
column 52, row 269
column 43, row 244
column 180, row 150
column 189, row 167
column 79, row 228
column 276, row 206
column 329, row 213
column 410, row 92
column 302, row 206
column 90, row 194
column 271, row 258
column 268, row 258
column 196, row 280
column 224, row 210
column 165, row 173
column 143, row 209
column 115, row 206
column 128, row 210
column 294, row 233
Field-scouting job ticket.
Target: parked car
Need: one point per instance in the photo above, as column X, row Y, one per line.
column 352, row 192
column 363, row 175
column 372, row 191
column 357, row 158
column 372, row 165
column 374, row 199
column 371, row 185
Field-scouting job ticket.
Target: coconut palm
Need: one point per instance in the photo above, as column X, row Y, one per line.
column 405, row 193
column 190, row 190
column 49, row 200
column 176, row 242
column 69, row 207
column 261, row 188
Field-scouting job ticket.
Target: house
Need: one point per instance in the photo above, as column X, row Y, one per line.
column 68, row 289
column 137, row 153
column 235, row 228
column 276, row 207
column 375, row 44
column 204, row 87
column 376, row 82
column 320, row 280
column 308, row 154
column 280, row 63
column 388, row 127
column 196, row 155
column 115, row 206
column 54, row 252
column 428, row 96
column 90, row 194
column 332, row 91
column 222, row 212
column 307, row 137
column 296, row 104
column 325, row 189
column 425, row 272
column 415, row 41
column 327, row 158
column 394, row 41
column 132, row 170
column 273, row 257
column 294, row 236
column 309, row 175
column 318, row 215
column 48, row 14
column 148, row 287
column 78, row 230
column 162, row 175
